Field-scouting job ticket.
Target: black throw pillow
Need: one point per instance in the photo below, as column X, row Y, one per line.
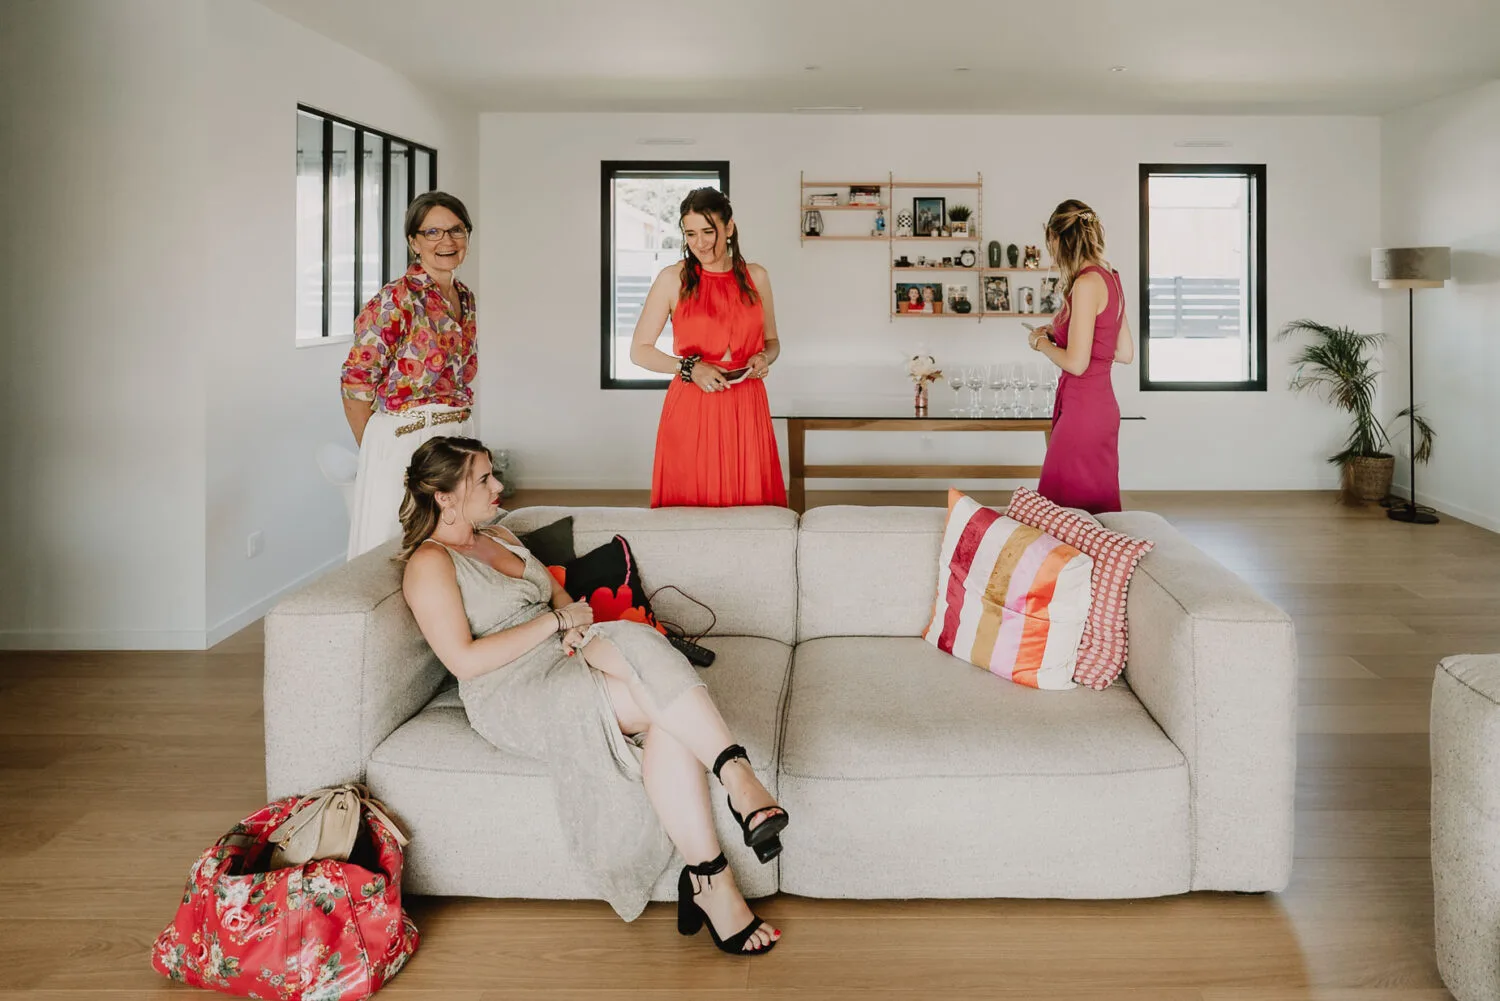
column 552, row 544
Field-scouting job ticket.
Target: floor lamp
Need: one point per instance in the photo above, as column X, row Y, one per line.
column 1411, row 268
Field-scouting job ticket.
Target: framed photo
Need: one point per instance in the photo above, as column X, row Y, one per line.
column 928, row 215
column 1051, row 301
column 1025, row 299
column 919, row 297
column 996, row 294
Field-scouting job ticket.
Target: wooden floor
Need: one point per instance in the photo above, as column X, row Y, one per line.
column 117, row 768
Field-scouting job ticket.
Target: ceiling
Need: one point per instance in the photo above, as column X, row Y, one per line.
column 938, row 56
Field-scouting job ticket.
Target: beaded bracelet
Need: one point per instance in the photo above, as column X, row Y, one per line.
column 685, row 367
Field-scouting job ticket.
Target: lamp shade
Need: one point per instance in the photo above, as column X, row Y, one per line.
column 1410, row 267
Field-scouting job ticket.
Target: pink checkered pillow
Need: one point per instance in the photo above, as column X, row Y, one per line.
column 1106, row 639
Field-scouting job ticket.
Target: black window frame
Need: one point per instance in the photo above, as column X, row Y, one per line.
column 1256, row 172
column 389, row 269
column 608, row 171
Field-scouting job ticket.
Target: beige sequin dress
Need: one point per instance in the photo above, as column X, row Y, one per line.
column 555, row 708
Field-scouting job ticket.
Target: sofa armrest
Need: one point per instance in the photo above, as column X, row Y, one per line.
column 1215, row 663
column 345, row 666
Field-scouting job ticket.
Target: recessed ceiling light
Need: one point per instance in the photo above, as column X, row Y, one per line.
column 811, row 68
column 831, row 108
column 960, row 69
column 1117, row 69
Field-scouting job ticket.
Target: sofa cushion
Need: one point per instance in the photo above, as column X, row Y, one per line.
column 867, row 571
column 894, row 750
column 483, row 821
column 1010, row 598
column 740, row 562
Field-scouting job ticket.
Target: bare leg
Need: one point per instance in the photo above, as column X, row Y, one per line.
column 678, row 791
column 694, row 721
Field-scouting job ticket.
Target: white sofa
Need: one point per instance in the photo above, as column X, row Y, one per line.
column 907, row 773
column 1466, row 824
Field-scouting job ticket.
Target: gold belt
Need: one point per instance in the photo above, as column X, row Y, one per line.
column 422, row 418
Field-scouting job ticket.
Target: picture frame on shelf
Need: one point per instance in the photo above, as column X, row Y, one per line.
column 1025, row 299
column 919, row 297
column 996, row 294
column 1050, row 301
column 928, row 215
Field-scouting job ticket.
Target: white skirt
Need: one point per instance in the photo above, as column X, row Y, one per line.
column 384, row 455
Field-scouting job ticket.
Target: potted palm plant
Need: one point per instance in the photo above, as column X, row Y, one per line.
column 1337, row 362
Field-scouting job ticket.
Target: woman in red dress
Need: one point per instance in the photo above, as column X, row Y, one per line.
column 1089, row 336
column 715, row 446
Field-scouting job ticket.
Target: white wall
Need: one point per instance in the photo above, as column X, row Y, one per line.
column 271, row 404
column 160, row 409
column 1441, row 170
column 540, row 284
column 102, row 533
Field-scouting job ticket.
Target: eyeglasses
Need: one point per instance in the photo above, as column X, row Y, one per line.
column 434, row 234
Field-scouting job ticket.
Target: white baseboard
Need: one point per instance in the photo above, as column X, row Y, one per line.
column 239, row 620
column 102, row 639
column 147, row 639
column 1442, row 506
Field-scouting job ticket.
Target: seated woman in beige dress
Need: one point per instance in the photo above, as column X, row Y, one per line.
column 621, row 718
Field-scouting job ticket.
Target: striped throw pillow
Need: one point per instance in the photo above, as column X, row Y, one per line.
column 1010, row 598
column 1106, row 636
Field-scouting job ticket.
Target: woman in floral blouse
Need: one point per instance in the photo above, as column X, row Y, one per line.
column 410, row 374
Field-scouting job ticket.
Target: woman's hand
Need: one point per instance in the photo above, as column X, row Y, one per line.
column 572, row 640
column 575, row 616
column 709, row 377
column 1041, row 335
column 760, row 364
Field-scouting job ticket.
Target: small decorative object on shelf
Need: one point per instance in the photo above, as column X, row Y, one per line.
column 996, row 255
column 902, row 262
column 879, row 223
column 923, row 372
column 812, row 223
column 959, row 300
column 1025, row 299
column 966, row 258
column 958, row 220
column 904, row 223
column 1014, row 254
column 1033, row 258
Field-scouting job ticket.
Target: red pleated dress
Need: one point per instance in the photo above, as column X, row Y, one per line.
column 717, row 449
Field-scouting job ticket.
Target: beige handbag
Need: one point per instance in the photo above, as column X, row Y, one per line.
column 325, row 824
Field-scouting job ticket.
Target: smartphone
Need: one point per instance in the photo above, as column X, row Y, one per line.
column 1028, row 326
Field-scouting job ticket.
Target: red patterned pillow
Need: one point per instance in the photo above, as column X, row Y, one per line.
column 1106, row 640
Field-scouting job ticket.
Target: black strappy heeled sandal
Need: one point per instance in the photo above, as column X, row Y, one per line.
column 691, row 917
column 763, row 837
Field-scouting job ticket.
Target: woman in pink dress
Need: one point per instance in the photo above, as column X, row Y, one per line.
column 1087, row 338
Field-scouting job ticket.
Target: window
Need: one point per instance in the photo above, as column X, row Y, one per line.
column 1203, row 266
column 353, row 186
column 640, row 237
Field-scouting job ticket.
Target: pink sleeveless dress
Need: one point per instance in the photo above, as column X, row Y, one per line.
column 1082, row 467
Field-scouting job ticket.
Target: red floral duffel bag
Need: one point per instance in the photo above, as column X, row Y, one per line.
column 325, row 930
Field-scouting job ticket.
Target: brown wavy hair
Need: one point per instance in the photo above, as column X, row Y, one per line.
column 1079, row 237
column 713, row 205
column 439, row 466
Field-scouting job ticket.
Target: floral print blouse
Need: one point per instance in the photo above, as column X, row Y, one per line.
column 409, row 350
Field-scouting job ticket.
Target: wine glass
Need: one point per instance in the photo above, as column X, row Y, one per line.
column 1049, row 389
column 974, row 379
column 1033, row 379
column 998, row 382
column 956, row 383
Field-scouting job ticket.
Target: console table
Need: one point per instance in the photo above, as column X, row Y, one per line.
column 833, row 415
